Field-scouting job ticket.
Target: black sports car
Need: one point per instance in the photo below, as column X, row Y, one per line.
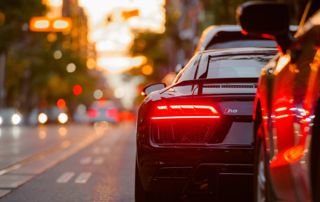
column 195, row 137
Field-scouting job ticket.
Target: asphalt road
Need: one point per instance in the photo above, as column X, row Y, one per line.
column 70, row 163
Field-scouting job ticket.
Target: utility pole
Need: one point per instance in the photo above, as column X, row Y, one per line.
column 2, row 78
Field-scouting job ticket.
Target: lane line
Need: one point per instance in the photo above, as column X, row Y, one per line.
column 83, row 178
column 98, row 161
column 4, row 192
column 96, row 150
column 85, row 160
column 65, row 177
column 13, row 181
column 106, row 150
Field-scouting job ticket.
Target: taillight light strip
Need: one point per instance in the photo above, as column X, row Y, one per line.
column 184, row 117
column 213, row 112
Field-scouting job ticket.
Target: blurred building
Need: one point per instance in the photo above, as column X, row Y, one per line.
column 78, row 40
column 189, row 12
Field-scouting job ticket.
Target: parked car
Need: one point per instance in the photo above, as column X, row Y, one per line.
column 287, row 105
column 230, row 36
column 48, row 115
column 10, row 116
column 80, row 115
column 103, row 111
column 194, row 137
column 34, row 117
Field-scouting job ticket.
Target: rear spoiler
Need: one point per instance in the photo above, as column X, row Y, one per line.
column 200, row 83
column 217, row 80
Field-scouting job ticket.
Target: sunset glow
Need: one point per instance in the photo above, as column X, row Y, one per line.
column 113, row 34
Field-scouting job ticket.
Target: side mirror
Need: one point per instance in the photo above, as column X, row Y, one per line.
column 178, row 68
column 153, row 87
column 266, row 20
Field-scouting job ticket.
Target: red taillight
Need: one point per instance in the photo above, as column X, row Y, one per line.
column 163, row 112
column 112, row 113
column 92, row 113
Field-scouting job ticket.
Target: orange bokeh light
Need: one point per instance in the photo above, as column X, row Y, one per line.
column 45, row 24
column 39, row 24
column 61, row 103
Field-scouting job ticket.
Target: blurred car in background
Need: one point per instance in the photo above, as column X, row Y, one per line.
column 10, row 116
column 125, row 115
column 46, row 116
column 37, row 116
column 80, row 115
column 57, row 115
column 287, row 104
column 195, row 137
column 230, row 36
column 103, row 111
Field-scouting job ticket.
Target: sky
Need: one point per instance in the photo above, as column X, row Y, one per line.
column 113, row 38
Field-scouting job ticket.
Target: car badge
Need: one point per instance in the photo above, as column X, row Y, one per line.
column 230, row 111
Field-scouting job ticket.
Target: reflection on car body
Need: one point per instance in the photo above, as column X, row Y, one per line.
column 287, row 105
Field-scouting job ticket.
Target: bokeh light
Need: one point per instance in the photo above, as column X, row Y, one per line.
column 71, row 67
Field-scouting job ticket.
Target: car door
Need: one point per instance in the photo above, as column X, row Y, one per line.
column 295, row 88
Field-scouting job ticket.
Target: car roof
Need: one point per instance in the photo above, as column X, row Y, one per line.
column 212, row 30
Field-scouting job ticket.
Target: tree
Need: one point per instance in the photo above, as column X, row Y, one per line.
column 15, row 17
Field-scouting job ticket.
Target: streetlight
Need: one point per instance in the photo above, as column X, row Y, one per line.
column 130, row 13
column 39, row 24
column 45, row 24
column 61, row 24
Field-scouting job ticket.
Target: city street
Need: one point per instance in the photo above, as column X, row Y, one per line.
column 159, row 100
column 67, row 163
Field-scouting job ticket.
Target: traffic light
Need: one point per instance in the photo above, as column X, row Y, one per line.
column 45, row 24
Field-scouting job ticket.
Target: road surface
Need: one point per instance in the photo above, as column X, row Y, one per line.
column 67, row 163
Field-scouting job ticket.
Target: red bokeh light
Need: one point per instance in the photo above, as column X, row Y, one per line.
column 77, row 89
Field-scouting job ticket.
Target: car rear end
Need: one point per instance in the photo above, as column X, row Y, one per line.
column 195, row 138
column 199, row 145
column 103, row 111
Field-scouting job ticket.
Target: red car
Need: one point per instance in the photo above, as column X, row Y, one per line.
column 287, row 104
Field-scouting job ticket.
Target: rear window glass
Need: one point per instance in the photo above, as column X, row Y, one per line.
column 188, row 72
column 243, row 43
column 236, row 66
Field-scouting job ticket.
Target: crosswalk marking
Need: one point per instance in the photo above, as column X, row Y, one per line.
column 96, row 150
column 105, row 150
column 85, row 160
column 98, row 161
column 65, row 177
column 83, row 178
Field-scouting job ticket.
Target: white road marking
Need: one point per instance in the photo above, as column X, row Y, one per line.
column 85, row 160
column 106, row 150
column 96, row 150
column 13, row 181
column 83, row 178
column 65, row 177
column 98, row 161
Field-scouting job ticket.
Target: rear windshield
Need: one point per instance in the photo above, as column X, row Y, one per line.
column 236, row 66
column 243, row 43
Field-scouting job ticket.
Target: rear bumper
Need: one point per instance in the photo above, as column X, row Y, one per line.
column 196, row 171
